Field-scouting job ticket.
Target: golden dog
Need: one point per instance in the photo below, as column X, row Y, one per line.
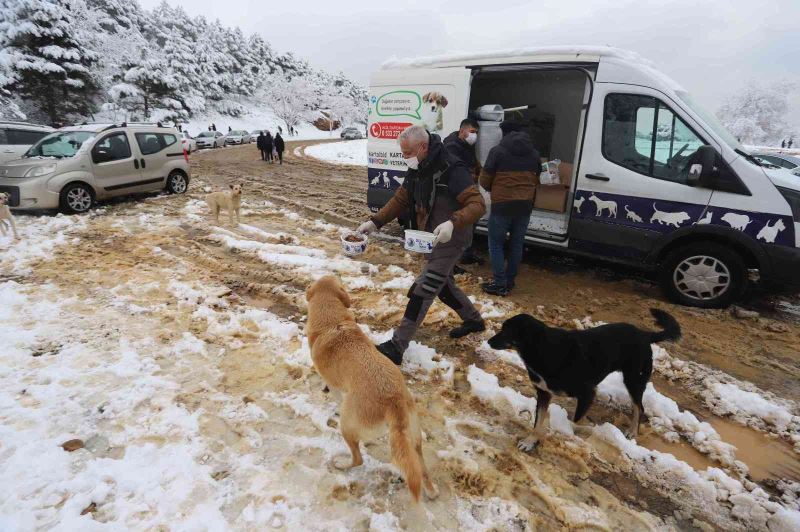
column 374, row 393
column 230, row 200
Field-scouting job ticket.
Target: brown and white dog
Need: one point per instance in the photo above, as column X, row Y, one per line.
column 6, row 219
column 374, row 394
column 229, row 199
column 433, row 111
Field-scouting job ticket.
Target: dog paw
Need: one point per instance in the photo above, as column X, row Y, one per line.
column 432, row 493
column 528, row 444
column 631, row 434
column 342, row 463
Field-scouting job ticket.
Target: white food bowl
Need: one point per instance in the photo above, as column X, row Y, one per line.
column 352, row 249
column 419, row 241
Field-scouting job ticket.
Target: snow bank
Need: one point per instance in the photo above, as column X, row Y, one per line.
column 39, row 236
column 352, row 152
column 730, row 399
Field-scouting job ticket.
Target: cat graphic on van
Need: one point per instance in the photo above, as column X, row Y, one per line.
column 632, row 216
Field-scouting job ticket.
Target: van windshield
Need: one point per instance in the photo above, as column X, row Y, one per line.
column 711, row 120
column 60, row 144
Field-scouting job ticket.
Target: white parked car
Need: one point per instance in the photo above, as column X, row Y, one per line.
column 188, row 143
column 17, row 137
column 237, row 136
column 210, row 139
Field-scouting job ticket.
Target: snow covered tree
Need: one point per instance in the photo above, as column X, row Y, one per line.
column 756, row 114
column 50, row 64
column 290, row 99
column 145, row 84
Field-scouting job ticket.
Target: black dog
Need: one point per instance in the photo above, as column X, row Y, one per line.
column 573, row 363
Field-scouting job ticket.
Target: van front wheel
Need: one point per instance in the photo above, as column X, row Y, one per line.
column 76, row 198
column 703, row 274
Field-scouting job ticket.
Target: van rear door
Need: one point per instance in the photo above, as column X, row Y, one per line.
column 434, row 97
column 632, row 186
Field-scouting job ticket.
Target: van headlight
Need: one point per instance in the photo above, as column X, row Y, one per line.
column 38, row 171
column 793, row 198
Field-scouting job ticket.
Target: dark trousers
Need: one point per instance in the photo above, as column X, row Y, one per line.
column 263, row 155
column 436, row 280
column 499, row 227
column 280, row 156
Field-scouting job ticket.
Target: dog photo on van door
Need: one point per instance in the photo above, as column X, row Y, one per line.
column 433, row 104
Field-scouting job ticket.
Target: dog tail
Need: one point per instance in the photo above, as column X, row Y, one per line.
column 404, row 449
column 672, row 330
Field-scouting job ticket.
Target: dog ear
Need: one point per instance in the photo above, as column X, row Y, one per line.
column 427, row 97
column 343, row 296
column 310, row 291
column 442, row 100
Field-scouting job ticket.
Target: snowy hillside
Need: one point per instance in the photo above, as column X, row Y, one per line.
column 68, row 60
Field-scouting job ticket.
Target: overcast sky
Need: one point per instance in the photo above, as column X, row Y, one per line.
column 710, row 47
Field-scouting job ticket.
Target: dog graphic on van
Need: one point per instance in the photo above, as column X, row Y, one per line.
column 375, row 180
column 433, row 111
column 632, row 216
column 602, row 205
column 737, row 221
column 675, row 219
column 769, row 233
column 578, row 203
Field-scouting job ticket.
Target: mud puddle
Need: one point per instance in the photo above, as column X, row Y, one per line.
column 766, row 457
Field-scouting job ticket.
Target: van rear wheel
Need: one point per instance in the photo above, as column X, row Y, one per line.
column 703, row 274
column 177, row 183
column 76, row 198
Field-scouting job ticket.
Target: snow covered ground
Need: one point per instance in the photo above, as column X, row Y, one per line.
column 256, row 120
column 344, row 152
column 189, row 405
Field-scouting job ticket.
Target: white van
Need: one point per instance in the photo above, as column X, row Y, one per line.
column 647, row 177
column 17, row 137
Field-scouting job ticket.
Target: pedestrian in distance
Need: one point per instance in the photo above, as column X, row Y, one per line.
column 260, row 143
column 440, row 197
column 230, row 129
column 268, row 145
column 279, row 146
column 783, row 143
column 510, row 174
column 213, row 126
column 790, row 143
column 460, row 146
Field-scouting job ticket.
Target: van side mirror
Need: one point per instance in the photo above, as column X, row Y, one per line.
column 702, row 166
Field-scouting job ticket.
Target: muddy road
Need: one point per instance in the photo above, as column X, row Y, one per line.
column 220, row 309
column 763, row 350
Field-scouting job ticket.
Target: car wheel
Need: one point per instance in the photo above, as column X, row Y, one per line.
column 177, row 182
column 76, row 198
column 703, row 274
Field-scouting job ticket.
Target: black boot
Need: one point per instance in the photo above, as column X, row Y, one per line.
column 391, row 352
column 468, row 327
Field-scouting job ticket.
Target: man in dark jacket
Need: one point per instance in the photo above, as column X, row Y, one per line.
column 268, row 145
column 260, row 145
column 510, row 174
column 461, row 146
column 437, row 195
column 279, row 146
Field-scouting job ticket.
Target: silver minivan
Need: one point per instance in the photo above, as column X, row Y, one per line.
column 75, row 166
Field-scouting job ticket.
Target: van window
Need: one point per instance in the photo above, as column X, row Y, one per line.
column 21, row 137
column 168, row 140
column 642, row 134
column 3, row 137
column 149, row 143
column 114, row 147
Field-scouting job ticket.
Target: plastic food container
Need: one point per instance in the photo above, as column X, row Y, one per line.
column 419, row 241
column 354, row 244
column 493, row 113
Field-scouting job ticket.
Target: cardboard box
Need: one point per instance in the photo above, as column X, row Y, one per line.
column 551, row 197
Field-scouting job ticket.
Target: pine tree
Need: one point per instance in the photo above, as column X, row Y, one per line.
column 146, row 83
column 50, row 64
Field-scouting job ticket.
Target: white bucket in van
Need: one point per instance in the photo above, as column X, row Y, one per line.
column 419, row 241
column 492, row 113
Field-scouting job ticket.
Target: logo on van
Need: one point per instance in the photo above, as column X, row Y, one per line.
column 399, row 103
column 387, row 130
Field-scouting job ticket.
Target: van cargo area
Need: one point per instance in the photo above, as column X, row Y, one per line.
column 555, row 98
